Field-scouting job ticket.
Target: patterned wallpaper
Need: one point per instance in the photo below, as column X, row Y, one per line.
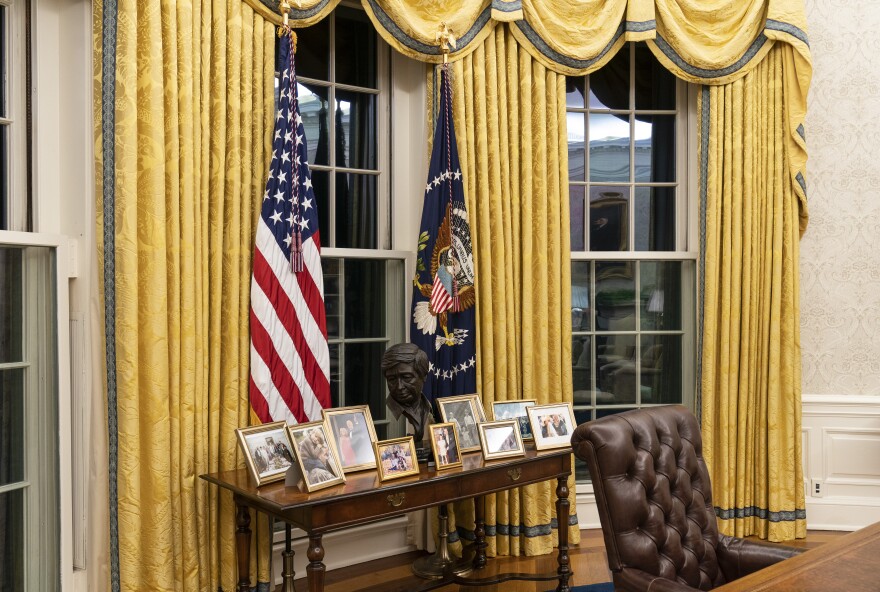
column 840, row 252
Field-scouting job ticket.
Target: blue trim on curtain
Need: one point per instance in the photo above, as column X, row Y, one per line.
column 788, row 28
column 801, row 132
column 389, row 25
column 641, row 26
column 559, row 58
column 802, row 182
column 705, row 110
column 511, row 530
column 762, row 513
column 108, row 143
column 502, row 6
column 750, row 53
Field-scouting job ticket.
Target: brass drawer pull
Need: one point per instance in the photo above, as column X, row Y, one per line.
column 514, row 473
column 395, row 500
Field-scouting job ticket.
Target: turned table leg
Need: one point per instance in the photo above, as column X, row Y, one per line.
column 480, row 532
column 287, row 573
column 316, row 568
column 562, row 506
column 243, row 544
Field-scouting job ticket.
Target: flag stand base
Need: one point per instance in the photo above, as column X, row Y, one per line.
column 442, row 563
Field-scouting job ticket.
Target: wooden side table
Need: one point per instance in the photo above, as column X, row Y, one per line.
column 364, row 499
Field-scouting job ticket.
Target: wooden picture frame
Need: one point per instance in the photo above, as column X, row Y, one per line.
column 315, row 455
column 352, row 434
column 552, row 425
column 501, row 439
column 444, row 444
column 515, row 409
column 268, row 451
column 396, row 458
column 462, row 411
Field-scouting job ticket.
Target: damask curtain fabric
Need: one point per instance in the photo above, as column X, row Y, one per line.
column 182, row 136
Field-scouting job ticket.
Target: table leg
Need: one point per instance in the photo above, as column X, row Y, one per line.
column 287, row 572
column 316, row 568
column 480, row 532
column 243, row 544
column 562, row 506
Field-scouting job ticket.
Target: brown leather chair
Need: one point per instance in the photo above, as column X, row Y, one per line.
column 655, row 504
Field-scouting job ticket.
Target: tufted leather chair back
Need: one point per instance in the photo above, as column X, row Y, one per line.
column 653, row 493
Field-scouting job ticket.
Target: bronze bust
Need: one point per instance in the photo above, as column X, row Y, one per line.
column 405, row 368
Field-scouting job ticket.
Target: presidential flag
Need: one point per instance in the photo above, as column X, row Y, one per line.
column 443, row 319
column 290, row 360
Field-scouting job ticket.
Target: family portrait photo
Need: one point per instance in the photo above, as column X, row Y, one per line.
column 551, row 425
column 317, row 460
column 515, row 410
column 444, row 443
column 352, row 432
column 267, row 451
column 462, row 412
column 501, row 439
column 397, row 458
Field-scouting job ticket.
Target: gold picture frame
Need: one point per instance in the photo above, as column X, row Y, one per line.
column 444, row 444
column 315, row 456
column 396, row 458
column 501, row 439
column 268, row 451
column 515, row 409
column 352, row 434
column 552, row 425
column 462, row 410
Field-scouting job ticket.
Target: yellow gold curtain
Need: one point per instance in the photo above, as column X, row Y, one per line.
column 751, row 404
column 509, row 113
column 190, row 127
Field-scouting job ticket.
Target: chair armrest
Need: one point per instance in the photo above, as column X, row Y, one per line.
column 630, row 579
column 739, row 557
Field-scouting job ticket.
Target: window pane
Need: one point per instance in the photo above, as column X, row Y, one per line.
column 355, row 130
column 609, row 85
column 313, row 51
column 356, row 211
column 12, row 541
column 655, row 85
column 11, row 426
column 335, row 364
column 616, row 369
column 11, row 305
column 615, row 296
column 581, row 472
column 580, row 296
column 576, row 196
column 355, row 48
column 332, row 302
column 607, row 412
column 582, row 368
column 574, row 92
column 575, row 123
column 365, row 298
column 4, row 177
column 609, row 148
column 3, row 69
column 654, row 219
column 313, row 103
column 655, row 148
column 609, row 218
column 661, row 369
column 321, row 187
column 661, row 295
column 364, row 383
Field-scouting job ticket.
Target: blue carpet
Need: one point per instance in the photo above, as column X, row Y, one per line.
column 603, row 587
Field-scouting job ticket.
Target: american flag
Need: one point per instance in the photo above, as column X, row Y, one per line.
column 290, row 360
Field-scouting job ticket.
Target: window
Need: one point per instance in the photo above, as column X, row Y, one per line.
column 344, row 85
column 13, row 197
column 633, row 252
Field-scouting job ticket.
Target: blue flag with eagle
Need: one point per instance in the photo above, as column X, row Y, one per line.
column 444, row 318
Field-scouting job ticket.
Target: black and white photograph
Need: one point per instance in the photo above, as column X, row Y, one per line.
column 551, row 425
column 501, row 439
column 444, row 443
column 314, row 455
column 267, row 451
column 461, row 412
column 352, row 433
column 515, row 410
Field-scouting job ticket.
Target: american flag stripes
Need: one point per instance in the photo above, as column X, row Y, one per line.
column 290, row 360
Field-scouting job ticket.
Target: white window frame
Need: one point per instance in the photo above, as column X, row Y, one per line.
column 15, row 117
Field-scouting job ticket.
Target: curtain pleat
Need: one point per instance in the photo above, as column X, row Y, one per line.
column 751, row 411
column 193, row 115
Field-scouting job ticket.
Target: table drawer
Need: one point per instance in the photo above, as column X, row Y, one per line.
column 507, row 477
column 383, row 502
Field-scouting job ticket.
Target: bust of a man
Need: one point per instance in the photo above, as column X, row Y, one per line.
column 405, row 367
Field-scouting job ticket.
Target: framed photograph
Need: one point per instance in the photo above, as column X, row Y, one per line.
column 315, row 456
column 462, row 412
column 267, row 451
column 352, row 433
column 515, row 410
column 396, row 458
column 552, row 425
column 444, row 443
column 478, row 407
column 501, row 439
